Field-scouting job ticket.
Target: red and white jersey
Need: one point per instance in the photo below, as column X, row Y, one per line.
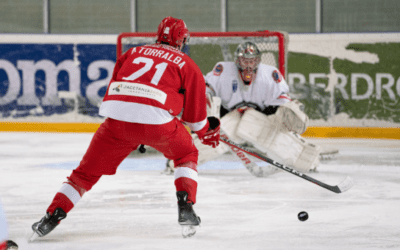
column 151, row 84
column 268, row 89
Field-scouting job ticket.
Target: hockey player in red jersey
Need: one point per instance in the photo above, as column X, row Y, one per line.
column 150, row 86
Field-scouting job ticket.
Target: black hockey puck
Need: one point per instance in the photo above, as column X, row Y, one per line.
column 303, row 216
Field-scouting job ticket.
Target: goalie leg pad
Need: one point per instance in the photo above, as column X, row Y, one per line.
column 213, row 105
column 286, row 147
column 310, row 156
column 295, row 151
column 229, row 124
column 257, row 128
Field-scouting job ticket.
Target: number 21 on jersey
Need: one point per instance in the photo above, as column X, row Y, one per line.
column 160, row 68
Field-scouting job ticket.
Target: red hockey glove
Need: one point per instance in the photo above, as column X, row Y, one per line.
column 211, row 136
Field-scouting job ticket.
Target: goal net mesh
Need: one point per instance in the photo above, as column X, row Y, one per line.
column 208, row 48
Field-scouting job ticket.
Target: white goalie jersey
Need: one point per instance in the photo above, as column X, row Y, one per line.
column 268, row 89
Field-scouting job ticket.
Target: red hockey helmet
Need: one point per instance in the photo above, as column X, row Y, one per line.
column 172, row 31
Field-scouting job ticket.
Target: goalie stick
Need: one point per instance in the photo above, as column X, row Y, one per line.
column 340, row 188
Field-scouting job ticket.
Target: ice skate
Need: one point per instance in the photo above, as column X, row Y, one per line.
column 47, row 223
column 187, row 218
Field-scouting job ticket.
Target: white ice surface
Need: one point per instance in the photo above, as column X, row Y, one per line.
column 136, row 208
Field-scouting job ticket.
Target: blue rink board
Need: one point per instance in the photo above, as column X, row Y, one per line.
column 148, row 165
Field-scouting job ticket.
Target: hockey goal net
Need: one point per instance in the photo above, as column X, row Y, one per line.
column 208, row 48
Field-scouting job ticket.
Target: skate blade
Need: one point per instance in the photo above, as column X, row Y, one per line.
column 188, row 230
column 33, row 237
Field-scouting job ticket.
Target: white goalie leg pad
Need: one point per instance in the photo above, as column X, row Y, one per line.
column 213, row 105
column 309, row 157
column 257, row 128
column 229, row 124
column 285, row 147
column 208, row 153
column 295, row 151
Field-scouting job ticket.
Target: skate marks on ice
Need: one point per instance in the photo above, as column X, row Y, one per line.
column 137, row 209
column 189, row 230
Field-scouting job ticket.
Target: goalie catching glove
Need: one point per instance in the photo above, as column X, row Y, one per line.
column 209, row 135
column 292, row 118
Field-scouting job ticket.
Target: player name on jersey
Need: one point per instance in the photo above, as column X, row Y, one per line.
column 172, row 57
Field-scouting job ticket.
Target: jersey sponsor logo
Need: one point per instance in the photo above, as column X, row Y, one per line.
column 218, row 70
column 137, row 89
column 118, row 88
column 234, row 85
column 276, row 76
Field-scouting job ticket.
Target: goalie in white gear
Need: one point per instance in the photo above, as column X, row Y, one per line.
column 253, row 100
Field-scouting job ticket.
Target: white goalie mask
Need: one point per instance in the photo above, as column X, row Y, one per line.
column 247, row 59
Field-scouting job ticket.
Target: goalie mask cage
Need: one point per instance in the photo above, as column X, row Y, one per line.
column 208, row 48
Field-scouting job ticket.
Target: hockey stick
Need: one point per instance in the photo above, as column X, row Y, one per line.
column 340, row 188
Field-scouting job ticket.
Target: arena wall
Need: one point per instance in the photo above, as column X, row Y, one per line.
column 349, row 83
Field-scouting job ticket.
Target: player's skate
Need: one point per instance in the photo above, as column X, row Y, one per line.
column 187, row 218
column 47, row 223
column 9, row 245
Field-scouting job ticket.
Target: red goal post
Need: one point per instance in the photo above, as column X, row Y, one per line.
column 208, row 48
